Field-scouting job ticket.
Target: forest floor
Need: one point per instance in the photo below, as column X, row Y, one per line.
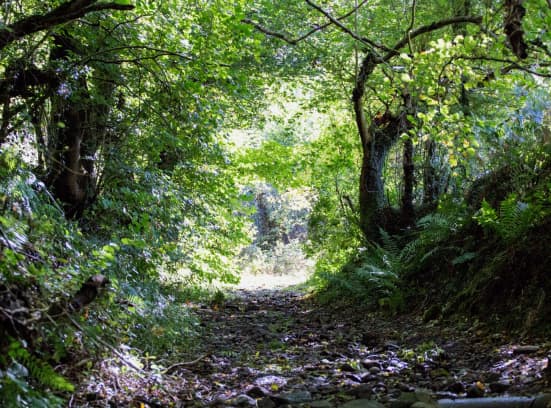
column 272, row 348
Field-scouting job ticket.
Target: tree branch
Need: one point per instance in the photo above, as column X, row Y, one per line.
column 271, row 33
column 427, row 29
column 64, row 13
column 512, row 65
column 345, row 29
column 295, row 41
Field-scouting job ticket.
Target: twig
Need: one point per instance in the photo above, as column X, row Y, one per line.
column 185, row 363
column 512, row 65
column 345, row 29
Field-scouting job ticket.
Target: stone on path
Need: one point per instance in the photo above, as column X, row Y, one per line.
column 321, row 404
column 363, row 403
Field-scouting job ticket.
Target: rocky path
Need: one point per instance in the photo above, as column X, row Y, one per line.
column 276, row 348
column 279, row 349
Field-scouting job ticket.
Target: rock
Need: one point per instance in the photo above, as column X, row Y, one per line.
column 271, row 380
column 265, row 402
column 391, row 346
column 374, row 370
column 354, row 377
column 361, row 391
column 456, row 387
column 491, row 376
column 525, row 349
column 346, row 367
column 362, row 403
column 446, row 395
column 439, row 372
column 526, row 379
column 368, row 378
column 405, row 387
column 368, row 363
column 321, row 404
column 257, row 392
column 244, row 400
column 296, row 397
column 499, row 386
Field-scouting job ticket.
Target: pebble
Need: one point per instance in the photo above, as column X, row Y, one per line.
column 374, row 370
column 368, row 363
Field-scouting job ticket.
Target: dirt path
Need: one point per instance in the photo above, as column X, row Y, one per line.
column 269, row 348
column 273, row 348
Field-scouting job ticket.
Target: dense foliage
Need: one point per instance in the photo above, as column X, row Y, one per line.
column 405, row 146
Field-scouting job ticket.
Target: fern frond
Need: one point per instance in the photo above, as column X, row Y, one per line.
column 39, row 369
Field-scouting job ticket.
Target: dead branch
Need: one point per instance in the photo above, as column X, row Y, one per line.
column 185, row 363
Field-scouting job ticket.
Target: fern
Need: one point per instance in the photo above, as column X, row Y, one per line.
column 433, row 231
column 467, row 256
column 513, row 219
column 38, row 369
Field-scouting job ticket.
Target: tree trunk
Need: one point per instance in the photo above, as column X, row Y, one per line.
column 408, row 212
column 384, row 133
column 430, row 184
column 78, row 125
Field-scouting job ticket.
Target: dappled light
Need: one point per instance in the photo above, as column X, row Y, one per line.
column 294, row 204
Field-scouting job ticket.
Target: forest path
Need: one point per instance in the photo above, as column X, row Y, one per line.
column 270, row 348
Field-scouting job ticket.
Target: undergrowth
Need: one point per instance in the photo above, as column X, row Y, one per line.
column 44, row 260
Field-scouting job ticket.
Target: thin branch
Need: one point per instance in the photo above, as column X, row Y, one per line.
column 323, row 26
column 539, row 45
column 345, row 29
column 512, row 65
column 295, row 41
column 105, row 344
column 270, row 33
column 185, row 363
